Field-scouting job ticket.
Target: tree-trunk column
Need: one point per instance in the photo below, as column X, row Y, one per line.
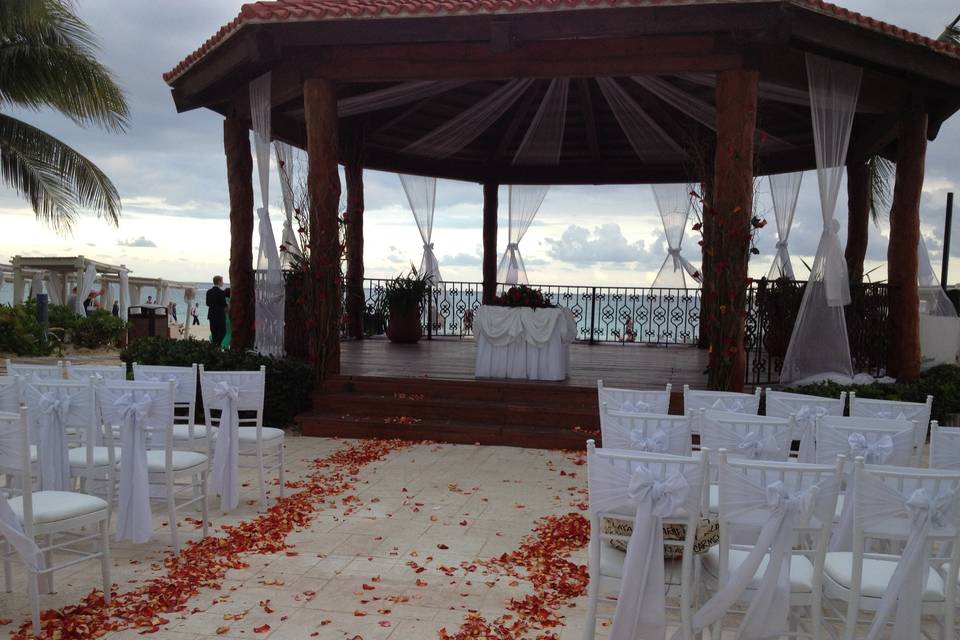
column 490, row 195
column 858, row 219
column 903, row 355
column 236, row 146
column 323, row 188
column 733, row 210
column 708, row 232
column 353, row 173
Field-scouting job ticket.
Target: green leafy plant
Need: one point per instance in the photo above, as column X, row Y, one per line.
column 404, row 294
column 20, row 333
column 289, row 384
column 523, row 296
column 101, row 329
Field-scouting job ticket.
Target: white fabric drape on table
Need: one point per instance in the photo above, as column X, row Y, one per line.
column 85, row 287
column 224, row 476
column 788, row 508
column 674, row 203
column 784, row 190
column 269, row 286
column 52, row 410
column 421, row 193
column 671, row 490
column 646, row 432
column 523, row 343
column 819, row 346
column 458, row 132
column 14, row 458
column 525, row 201
column 288, row 238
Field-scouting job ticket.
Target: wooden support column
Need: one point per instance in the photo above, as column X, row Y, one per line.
column 490, row 203
column 353, row 173
column 323, row 188
column 859, row 185
column 903, row 343
column 733, row 210
column 236, row 146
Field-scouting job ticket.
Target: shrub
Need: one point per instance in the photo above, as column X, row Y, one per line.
column 20, row 332
column 98, row 330
column 289, row 383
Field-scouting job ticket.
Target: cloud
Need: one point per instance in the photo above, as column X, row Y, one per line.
column 606, row 243
column 460, row 260
column 142, row 241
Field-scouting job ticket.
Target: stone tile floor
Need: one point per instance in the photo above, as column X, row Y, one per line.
column 446, row 502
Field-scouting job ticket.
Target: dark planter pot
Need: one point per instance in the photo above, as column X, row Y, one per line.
column 404, row 327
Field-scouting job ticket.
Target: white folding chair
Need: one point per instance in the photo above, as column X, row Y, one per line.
column 634, row 400
column 919, row 509
column 786, row 511
column 918, row 412
column 877, row 440
column 651, row 490
column 35, row 371
column 696, row 399
column 238, row 396
column 11, row 391
column 46, row 515
column 944, row 447
column 805, row 410
column 187, row 434
column 647, row 432
column 98, row 371
column 150, row 468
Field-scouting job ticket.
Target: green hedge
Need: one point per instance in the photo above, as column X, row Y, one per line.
column 942, row 382
column 289, row 384
column 20, row 332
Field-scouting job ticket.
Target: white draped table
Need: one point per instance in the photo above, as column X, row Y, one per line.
column 523, row 343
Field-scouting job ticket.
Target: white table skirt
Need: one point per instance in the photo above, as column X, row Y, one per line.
column 523, row 343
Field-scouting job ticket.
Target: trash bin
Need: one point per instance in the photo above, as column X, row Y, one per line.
column 146, row 320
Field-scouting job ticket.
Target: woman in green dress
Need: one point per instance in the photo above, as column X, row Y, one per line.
column 226, row 337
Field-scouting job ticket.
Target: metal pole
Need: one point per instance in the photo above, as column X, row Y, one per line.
column 429, row 312
column 948, row 223
column 593, row 313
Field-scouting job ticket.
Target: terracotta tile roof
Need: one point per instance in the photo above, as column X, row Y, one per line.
column 316, row 10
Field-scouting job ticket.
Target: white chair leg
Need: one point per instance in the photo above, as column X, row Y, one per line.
column 33, row 590
column 172, row 515
column 7, row 575
column 593, row 593
column 48, row 560
column 105, row 559
column 261, row 476
column 203, row 503
column 280, row 474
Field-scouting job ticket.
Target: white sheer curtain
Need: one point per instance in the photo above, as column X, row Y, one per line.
column 933, row 299
column 394, row 96
column 525, row 201
column 649, row 141
column 784, row 189
column 422, row 195
column 85, row 287
column 288, row 238
column 819, row 347
column 124, row 292
column 269, row 289
column 674, row 203
column 163, row 294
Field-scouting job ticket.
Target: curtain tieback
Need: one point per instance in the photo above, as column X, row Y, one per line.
column 513, row 246
column 428, row 246
column 781, row 244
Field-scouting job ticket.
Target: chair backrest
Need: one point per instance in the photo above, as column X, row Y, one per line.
column 61, row 413
column 98, row 371
column 805, row 410
column 250, row 387
column 944, row 447
column 745, row 435
column 11, row 393
column 647, row 432
column 185, row 386
column 895, row 410
column 77, row 397
column 634, row 400
column 881, row 442
column 35, row 371
column 15, row 461
column 696, row 399
column 154, row 401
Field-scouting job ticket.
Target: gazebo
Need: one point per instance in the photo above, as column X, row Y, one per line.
column 642, row 91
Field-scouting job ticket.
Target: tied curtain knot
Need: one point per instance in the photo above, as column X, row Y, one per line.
column 781, row 244
column 873, row 453
column 428, row 246
column 658, row 442
column 513, row 246
column 665, row 495
column 674, row 252
column 756, row 446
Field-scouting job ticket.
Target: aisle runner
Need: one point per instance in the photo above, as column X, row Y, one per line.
column 204, row 563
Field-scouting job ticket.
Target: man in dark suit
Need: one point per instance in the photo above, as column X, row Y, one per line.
column 217, row 310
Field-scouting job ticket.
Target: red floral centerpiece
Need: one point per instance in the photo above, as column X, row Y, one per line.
column 523, row 296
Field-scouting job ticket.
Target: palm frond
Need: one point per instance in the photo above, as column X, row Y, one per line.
column 882, row 173
column 951, row 33
column 56, row 179
column 47, row 59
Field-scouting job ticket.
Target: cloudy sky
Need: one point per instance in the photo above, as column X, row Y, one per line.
column 170, row 171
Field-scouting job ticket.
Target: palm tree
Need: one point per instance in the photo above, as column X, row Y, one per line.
column 951, row 33
column 47, row 60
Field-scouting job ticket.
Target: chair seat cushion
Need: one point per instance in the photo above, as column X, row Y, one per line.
column 157, row 460
column 801, row 569
column 101, row 456
column 54, row 506
column 714, row 498
column 838, row 567
column 249, row 434
column 182, row 432
column 33, row 453
column 611, row 561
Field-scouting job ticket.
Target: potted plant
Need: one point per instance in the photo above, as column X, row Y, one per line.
column 779, row 301
column 402, row 304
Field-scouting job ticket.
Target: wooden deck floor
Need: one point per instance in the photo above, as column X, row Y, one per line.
column 630, row 365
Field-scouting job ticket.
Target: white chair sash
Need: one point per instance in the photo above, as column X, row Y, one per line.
column 754, row 444
column 658, row 442
column 11, row 528
column 641, row 605
column 945, row 448
column 806, row 421
column 635, row 407
column 788, row 510
column 133, row 506
column 876, row 452
column 879, row 503
column 646, row 432
column 730, row 405
column 224, row 477
column 54, row 408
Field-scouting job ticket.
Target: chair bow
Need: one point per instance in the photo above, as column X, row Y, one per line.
column 731, row 405
column 807, row 415
column 635, row 407
column 665, row 494
column 873, row 453
column 130, row 408
column 58, row 405
column 224, row 476
column 51, row 443
column 134, row 520
column 757, row 446
column 657, row 442
column 920, row 504
column 889, row 415
column 801, row 504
